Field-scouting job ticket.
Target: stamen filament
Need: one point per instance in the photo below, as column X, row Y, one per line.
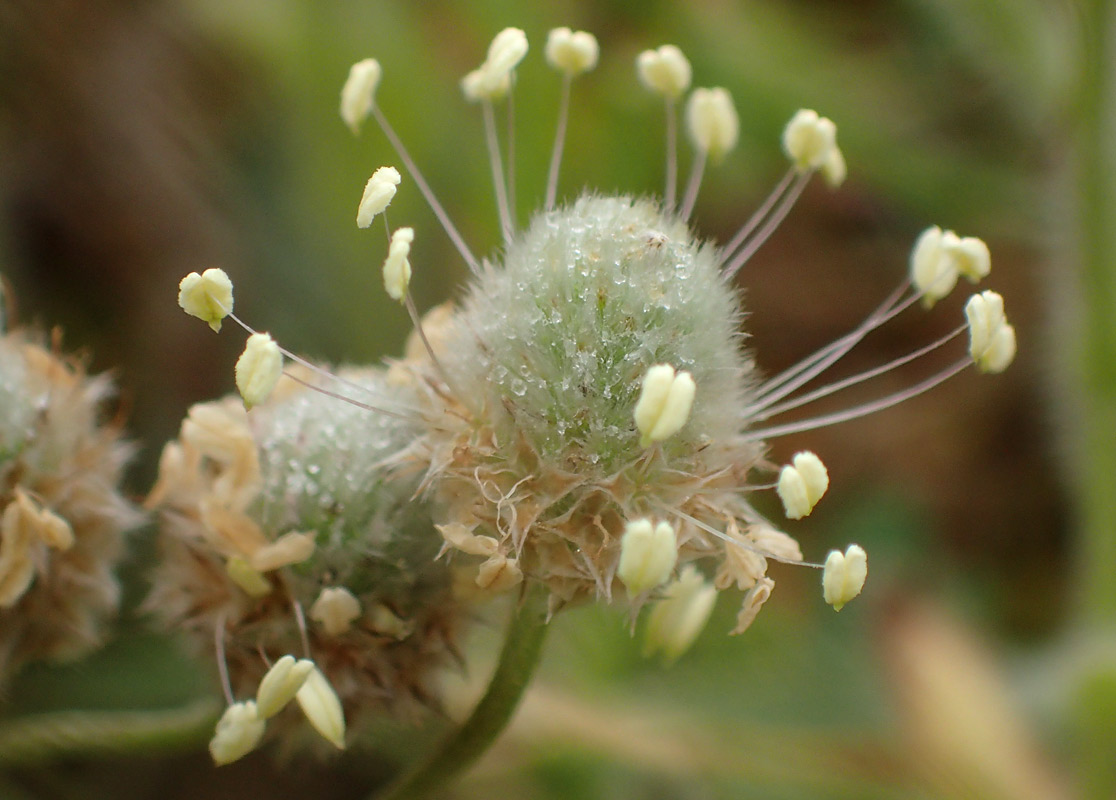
column 496, row 161
column 778, row 215
column 344, row 398
column 427, row 193
column 671, row 156
column 759, row 215
column 856, row 412
column 559, row 142
column 742, row 545
column 853, row 380
column 222, row 665
column 511, row 157
column 300, row 620
column 694, row 185
column 409, row 302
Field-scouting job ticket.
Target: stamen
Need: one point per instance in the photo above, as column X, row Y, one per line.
column 427, row 193
column 671, row 155
column 511, row 157
column 300, row 620
column 776, row 218
column 496, row 161
column 758, row 217
column 858, row 411
column 694, row 184
column 742, row 545
column 222, row 665
column 559, row 142
column 832, row 388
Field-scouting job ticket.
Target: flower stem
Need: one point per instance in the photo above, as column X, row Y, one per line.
column 518, row 659
column 43, row 738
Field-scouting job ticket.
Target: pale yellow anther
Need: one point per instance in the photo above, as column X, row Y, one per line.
column 290, row 548
column 492, row 79
column 499, row 573
column 280, row 685
column 974, row 261
column 677, row 619
column 17, row 570
column 252, row 581
column 844, row 575
column 991, row 338
column 237, row 734
column 834, row 170
column 335, row 609
column 462, row 538
column 666, row 71
column 712, row 121
column 753, row 602
column 320, row 704
column 358, row 95
column 572, row 52
column 802, row 484
column 809, row 140
column 933, row 264
column 664, row 404
column 49, row 528
column 258, row 369
column 647, row 555
column 479, row 85
column 377, row 196
column 397, row 266
column 208, row 296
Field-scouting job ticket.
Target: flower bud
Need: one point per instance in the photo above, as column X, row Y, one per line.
column 647, row 555
column 664, row 403
column 238, row 732
column 208, row 296
column 712, row 120
column 358, row 95
column 802, row 485
column 258, row 369
column 335, row 609
column 280, row 685
column 378, row 193
column 397, row 267
column 665, row 71
column 570, row 52
column 809, row 140
column 680, row 616
column 991, row 339
column 844, row 575
column 322, row 708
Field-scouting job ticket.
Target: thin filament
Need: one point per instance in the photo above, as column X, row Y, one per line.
column 853, row 380
column 496, row 161
column 768, row 228
column 856, row 412
column 222, row 665
column 694, row 185
column 511, row 155
column 671, row 156
column 427, row 193
column 559, row 142
column 759, row 215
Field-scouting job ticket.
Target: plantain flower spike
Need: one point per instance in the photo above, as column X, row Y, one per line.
column 801, row 484
column 572, row 52
column 991, row 338
column 844, row 575
column 358, row 95
column 664, row 403
column 208, row 296
column 258, row 369
column 647, row 555
column 712, row 121
column 665, row 71
column 378, row 193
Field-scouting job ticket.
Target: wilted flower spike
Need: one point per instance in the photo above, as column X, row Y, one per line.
column 208, row 296
column 280, row 685
column 991, row 338
column 238, row 733
column 377, row 196
column 647, row 555
column 678, row 618
column 809, row 140
column 321, row 706
column 802, row 484
column 664, row 403
column 844, row 575
column 570, row 52
column 258, row 369
column 358, row 95
column 666, row 71
column 397, row 267
column 712, row 121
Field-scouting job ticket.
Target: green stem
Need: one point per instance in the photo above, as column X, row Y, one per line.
column 43, row 738
column 1096, row 182
column 518, row 659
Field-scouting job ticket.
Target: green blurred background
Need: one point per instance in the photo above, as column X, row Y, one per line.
column 143, row 139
